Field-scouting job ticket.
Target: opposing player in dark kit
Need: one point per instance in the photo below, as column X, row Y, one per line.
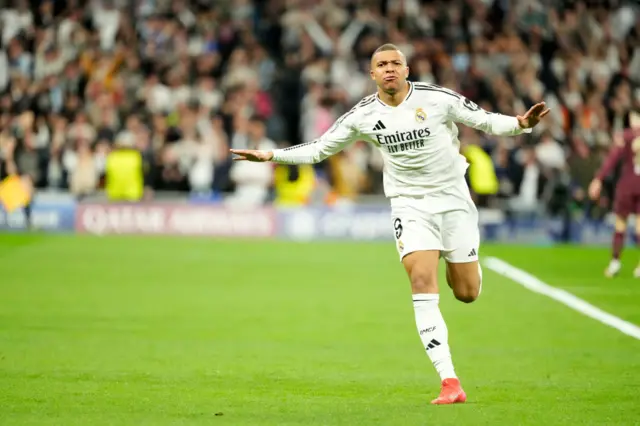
column 627, row 191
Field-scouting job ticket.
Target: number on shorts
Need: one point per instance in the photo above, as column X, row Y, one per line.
column 397, row 225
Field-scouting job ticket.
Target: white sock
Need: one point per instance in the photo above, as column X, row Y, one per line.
column 433, row 333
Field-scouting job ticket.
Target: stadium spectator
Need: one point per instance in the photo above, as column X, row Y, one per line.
column 124, row 172
column 181, row 76
column 252, row 184
column 294, row 185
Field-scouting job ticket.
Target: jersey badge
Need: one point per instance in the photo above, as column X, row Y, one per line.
column 421, row 116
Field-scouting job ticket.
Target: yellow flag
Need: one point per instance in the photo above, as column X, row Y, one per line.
column 14, row 194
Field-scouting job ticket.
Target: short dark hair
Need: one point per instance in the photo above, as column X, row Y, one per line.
column 386, row 47
column 257, row 118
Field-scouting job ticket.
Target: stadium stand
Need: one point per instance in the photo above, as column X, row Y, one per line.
column 182, row 81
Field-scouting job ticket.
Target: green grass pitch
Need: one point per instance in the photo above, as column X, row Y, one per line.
column 171, row 331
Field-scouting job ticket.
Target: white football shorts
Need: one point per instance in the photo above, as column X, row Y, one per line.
column 445, row 221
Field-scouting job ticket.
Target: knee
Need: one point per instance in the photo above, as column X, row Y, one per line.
column 466, row 296
column 620, row 224
column 468, row 290
column 423, row 282
column 465, row 281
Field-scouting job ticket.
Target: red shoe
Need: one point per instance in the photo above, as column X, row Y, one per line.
column 451, row 393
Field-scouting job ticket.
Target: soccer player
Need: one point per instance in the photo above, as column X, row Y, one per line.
column 627, row 191
column 433, row 216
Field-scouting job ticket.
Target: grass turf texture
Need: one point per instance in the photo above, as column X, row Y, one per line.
column 169, row 331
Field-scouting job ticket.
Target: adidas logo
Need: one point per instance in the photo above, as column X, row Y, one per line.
column 379, row 126
column 472, row 252
column 432, row 344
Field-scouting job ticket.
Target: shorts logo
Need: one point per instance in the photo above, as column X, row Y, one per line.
column 400, row 245
column 472, row 252
column 421, row 116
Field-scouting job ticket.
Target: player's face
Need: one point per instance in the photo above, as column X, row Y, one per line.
column 389, row 70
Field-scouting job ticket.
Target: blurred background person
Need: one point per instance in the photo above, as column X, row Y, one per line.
column 294, row 185
column 185, row 78
column 124, row 174
column 252, row 185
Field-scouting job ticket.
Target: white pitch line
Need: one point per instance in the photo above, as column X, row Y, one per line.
column 534, row 284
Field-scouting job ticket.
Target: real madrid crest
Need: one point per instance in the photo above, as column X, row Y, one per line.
column 421, row 116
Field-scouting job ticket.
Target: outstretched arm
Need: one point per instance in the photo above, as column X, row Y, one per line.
column 334, row 140
column 465, row 111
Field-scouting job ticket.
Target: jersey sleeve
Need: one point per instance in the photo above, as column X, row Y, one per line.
column 338, row 137
column 462, row 110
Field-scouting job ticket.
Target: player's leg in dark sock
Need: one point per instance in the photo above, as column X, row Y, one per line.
column 636, row 272
column 27, row 215
column 617, row 244
column 618, row 236
column 28, row 182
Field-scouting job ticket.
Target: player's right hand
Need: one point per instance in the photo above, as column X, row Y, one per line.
column 252, row 155
column 594, row 189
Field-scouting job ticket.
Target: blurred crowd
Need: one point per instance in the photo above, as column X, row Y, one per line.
column 184, row 80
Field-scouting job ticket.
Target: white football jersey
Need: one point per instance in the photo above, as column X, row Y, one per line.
column 418, row 138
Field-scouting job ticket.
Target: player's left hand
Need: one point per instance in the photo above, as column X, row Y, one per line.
column 533, row 116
